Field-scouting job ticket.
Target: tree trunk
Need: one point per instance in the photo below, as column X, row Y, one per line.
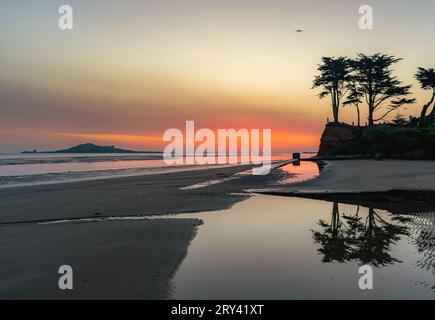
column 430, row 118
column 371, row 122
column 424, row 121
column 338, row 104
column 334, row 105
column 371, row 104
column 370, row 225
column 359, row 116
column 335, row 217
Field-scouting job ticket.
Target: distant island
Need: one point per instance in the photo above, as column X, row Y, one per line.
column 90, row 148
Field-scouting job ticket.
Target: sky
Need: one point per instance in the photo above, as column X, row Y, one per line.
column 130, row 69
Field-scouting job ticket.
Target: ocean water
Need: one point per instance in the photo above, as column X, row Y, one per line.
column 26, row 169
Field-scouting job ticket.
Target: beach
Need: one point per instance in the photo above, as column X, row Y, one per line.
column 372, row 176
column 138, row 195
column 122, row 243
column 114, row 259
column 110, row 260
column 395, row 185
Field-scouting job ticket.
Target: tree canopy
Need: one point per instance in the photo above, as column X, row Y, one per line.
column 376, row 81
column 426, row 78
column 366, row 79
column 333, row 78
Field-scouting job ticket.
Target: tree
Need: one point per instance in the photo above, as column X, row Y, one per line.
column 354, row 97
column 333, row 245
column 378, row 85
column 334, row 74
column 368, row 239
column 426, row 78
column 375, row 239
column 399, row 121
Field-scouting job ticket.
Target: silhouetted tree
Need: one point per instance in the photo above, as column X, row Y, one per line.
column 399, row 121
column 366, row 239
column 354, row 97
column 374, row 243
column 374, row 76
column 426, row 78
column 333, row 244
column 333, row 77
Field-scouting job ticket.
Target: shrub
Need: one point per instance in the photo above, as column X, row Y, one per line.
column 399, row 142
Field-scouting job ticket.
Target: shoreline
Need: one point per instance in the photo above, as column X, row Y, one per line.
column 357, row 176
column 121, row 196
column 396, row 185
column 148, row 172
column 397, row 201
column 103, row 250
column 74, row 175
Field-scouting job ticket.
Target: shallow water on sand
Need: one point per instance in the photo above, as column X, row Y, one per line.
column 28, row 169
column 290, row 248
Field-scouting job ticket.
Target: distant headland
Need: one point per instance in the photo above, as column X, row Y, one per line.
column 90, row 148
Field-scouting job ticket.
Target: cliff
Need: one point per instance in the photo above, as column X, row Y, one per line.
column 390, row 141
column 340, row 139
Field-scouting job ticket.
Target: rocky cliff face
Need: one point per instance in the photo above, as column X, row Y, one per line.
column 340, row 139
column 381, row 140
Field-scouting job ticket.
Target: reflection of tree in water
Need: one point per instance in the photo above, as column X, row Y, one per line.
column 332, row 241
column 366, row 239
column 423, row 229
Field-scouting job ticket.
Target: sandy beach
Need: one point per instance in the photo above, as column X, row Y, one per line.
column 112, row 259
column 138, row 195
column 372, row 176
column 136, row 258
column 395, row 185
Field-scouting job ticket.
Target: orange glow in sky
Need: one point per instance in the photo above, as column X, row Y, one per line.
column 132, row 69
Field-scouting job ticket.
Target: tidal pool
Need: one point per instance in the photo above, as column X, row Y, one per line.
column 270, row 247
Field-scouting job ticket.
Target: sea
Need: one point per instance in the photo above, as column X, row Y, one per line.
column 44, row 168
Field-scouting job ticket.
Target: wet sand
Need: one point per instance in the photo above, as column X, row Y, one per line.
column 138, row 195
column 394, row 185
column 355, row 176
column 112, row 259
column 135, row 259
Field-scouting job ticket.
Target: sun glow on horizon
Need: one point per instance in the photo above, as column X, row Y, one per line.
column 128, row 71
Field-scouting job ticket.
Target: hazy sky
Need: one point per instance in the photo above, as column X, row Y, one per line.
column 131, row 69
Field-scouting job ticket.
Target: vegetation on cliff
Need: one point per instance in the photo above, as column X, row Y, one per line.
column 369, row 80
column 389, row 140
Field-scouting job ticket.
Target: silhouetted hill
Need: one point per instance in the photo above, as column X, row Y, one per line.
column 89, row 148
